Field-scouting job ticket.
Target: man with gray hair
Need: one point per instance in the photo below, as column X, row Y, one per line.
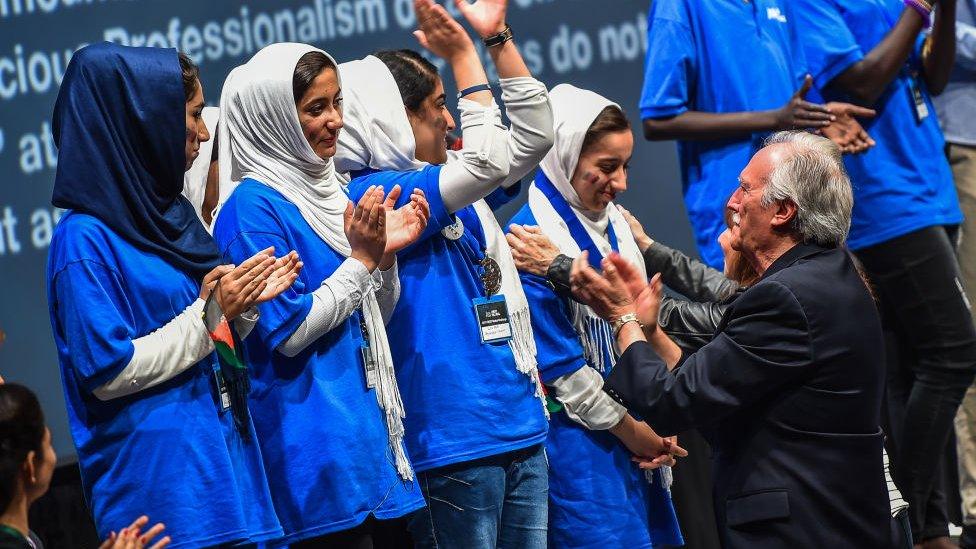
column 789, row 390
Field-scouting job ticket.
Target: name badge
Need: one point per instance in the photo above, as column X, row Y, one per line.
column 918, row 100
column 493, row 320
column 369, row 365
column 223, row 394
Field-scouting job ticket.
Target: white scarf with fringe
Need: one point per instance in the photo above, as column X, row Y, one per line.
column 574, row 110
column 261, row 138
column 377, row 135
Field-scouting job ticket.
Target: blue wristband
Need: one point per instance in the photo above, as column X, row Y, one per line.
column 473, row 89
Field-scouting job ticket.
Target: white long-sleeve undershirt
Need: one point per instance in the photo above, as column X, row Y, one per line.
column 338, row 297
column 169, row 351
column 494, row 155
column 581, row 394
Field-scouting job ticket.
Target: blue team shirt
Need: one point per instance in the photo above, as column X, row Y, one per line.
column 464, row 399
column 718, row 56
column 323, row 437
column 903, row 183
column 597, row 496
column 169, row 451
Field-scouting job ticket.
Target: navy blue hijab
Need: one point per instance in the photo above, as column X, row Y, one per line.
column 120, row 128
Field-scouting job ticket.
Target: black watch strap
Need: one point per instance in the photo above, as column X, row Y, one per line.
column 558, row 274
column 499, row 38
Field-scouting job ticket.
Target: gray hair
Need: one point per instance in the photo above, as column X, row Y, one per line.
column 812, row 177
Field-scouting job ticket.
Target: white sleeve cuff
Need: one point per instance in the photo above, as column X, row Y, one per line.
column 581, row 394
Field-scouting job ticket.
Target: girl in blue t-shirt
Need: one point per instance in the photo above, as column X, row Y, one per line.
column 463, row 347
column 597, row 495
column 325, row 401
column 156, row 418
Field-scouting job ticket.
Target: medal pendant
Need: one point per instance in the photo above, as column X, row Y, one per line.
column 492, row 276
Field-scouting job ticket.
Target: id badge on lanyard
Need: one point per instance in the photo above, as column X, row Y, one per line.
column 369, row 365
column 212, row 315
column 920, row 108
column 494, row 323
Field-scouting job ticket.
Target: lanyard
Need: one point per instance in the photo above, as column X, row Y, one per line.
column 576, row 228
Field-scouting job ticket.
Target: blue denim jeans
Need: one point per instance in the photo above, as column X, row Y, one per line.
column 498, row 501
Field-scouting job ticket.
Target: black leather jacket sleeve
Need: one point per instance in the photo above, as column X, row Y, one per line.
column 558, row 274
column 689, row 277
column 690, row 324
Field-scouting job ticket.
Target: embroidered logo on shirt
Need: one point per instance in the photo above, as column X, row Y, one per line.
column 775, row 14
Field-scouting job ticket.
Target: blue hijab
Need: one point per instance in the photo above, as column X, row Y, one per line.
column 119, row 125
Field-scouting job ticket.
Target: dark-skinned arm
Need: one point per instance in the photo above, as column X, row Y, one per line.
column 797, row 113
column 868, row 78
column 940, row 48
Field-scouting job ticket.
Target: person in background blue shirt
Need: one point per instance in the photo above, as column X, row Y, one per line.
column 956, row 107
column 905, row 211
column 597, row 495
column 461, row 334
column 156, row 417
column 719, row 77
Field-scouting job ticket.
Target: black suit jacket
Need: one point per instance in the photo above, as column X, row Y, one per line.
column 788, row 393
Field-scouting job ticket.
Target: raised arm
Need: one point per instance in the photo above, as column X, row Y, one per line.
column 526, row 100
column 476, row 170
column 866, row 76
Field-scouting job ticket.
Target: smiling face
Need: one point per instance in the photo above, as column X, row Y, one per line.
column 751, row 222
column 601, row 173
column 431, row 122
column 320, row 113
column 196, row 129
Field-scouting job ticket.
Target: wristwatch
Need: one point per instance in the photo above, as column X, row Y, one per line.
column 500, row 38
column 619, row 323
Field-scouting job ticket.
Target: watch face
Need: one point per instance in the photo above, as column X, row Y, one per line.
column 492, row 276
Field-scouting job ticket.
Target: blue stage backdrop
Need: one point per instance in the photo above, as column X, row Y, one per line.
column 594, row 44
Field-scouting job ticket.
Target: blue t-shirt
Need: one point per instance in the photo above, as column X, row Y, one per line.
column 169, row 451
column 464, row 399
column 322, row 434
column 903, row 183
column 719, row 56
column 597, row 496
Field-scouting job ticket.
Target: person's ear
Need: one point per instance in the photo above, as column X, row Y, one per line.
column 30, row 473
column 784, row 215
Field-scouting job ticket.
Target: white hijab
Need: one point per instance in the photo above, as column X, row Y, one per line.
column 195, row 179
column 378, row 135
column 574, row 110
column 261, row 138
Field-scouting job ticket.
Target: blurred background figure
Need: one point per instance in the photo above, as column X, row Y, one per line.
column 956, row 107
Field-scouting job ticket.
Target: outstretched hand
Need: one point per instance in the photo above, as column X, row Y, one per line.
column 439, row 33
column 486, row 17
